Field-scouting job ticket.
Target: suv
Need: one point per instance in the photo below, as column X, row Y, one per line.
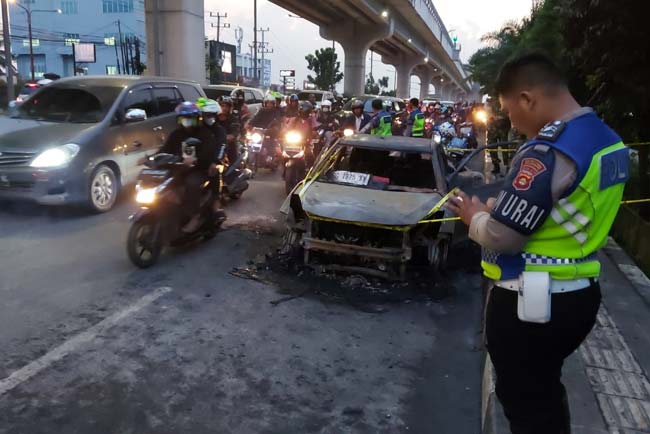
column 78, row 140
column 254, row 97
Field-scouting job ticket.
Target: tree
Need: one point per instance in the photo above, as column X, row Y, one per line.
column 325, row 65
column 377, row 87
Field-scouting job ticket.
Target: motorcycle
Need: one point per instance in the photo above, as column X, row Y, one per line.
column 295, row 154
column 159, row 221
column 236, row 176
column 263, row 150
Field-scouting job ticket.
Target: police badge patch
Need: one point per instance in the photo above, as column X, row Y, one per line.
column 528, row 171
column 551, row 131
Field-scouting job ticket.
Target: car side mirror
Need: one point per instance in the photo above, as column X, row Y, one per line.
column 135, row 115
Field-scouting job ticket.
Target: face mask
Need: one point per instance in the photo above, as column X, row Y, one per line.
column 210, row 121
column 187, row 122
column 326, row 109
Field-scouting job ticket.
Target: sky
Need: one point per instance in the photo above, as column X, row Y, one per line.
column 291, row 39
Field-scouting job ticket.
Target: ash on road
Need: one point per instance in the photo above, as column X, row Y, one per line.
column 214, row 354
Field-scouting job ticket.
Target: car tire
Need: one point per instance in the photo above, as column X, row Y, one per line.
column 437, row 255
column 103, row 189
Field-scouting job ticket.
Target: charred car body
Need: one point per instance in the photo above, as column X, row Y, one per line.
column 373, row 205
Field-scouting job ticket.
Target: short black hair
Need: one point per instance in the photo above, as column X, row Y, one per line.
column 377, row 104
column 529, row 70
column 414, row 101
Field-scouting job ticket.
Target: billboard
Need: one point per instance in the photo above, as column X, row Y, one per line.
column 84, row 53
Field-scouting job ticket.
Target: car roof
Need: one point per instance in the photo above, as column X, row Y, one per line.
column 315, row 91
column 388, row 143
column 116, row 80
column 228, row 87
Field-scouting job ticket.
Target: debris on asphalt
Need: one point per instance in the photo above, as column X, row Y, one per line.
column 247, row 273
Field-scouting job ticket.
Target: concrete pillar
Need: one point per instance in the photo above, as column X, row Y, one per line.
column 404, row 65
column 426, row 76
column 356, row 40
column 175, row 39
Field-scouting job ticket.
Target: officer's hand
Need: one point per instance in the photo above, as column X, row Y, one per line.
column 465, row 207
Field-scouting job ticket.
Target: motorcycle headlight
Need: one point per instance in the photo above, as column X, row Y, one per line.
column 348, row 132
column 293, row 137
column 481, row 116
column 146, row 196
column 56, row 157
column 437, row 138
column 256, row 138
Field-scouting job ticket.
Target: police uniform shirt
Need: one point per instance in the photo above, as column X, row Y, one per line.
column 499, row 237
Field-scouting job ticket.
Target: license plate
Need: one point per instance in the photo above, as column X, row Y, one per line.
column 156, row 173
column 353, row 178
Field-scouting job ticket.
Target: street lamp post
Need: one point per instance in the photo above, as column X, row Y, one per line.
column 29, row 12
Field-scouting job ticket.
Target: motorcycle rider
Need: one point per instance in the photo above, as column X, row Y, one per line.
column 358, row 119
column 303, row 123
column 381, row 122
column 415, row 122
column 268, row 118
column 327, row 121
column 201, row 161
column 291, row 110
column 430, row 111
column 233, row 126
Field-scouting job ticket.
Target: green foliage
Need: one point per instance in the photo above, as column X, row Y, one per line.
column 325, row 65
column 378, row 87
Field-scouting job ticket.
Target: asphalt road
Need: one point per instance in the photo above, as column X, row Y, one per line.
column 90, row 344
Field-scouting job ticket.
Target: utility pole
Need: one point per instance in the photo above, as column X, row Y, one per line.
column 117, row 56
column 255, row 39
column 9, row 64
column 219, row 26
column 122, row 51
column 262, row 48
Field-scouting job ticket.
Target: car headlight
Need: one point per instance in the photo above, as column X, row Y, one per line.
column 256, row 138
column 56, row 157
column 293, row 137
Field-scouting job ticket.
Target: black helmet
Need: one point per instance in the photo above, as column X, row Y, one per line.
column 238, row 95
column 225, row 100
column 305, row 108
column 357, row 103
column 294, row 98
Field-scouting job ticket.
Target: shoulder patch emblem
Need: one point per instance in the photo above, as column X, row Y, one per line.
column 528, row 171
column 551, row 131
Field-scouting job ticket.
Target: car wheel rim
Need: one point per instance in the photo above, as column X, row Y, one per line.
column 103, row 190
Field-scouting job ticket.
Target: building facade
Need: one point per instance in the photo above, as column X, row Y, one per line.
column 246, row 71
column 100, row 22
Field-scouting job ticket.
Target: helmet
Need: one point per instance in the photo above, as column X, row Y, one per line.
column 305, row 108
column 447, row 130
column 294, row 98
column 269, row 98
column 326, row 105
column 357, row 103
column 225, row 100
column 188, row 109
column 388, row 104
column 208, row 106
column 188, row 114
column 238, row 95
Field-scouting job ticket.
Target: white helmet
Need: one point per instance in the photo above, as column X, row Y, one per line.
column 326, row 105
column 269, row 98
column 447, row 130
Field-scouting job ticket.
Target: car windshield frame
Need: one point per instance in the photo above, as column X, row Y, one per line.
column 102, row 96
column 326, row 165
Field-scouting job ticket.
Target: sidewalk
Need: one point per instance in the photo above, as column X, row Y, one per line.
column 607, row 378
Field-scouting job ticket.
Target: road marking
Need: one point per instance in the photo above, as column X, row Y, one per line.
column 28, row 371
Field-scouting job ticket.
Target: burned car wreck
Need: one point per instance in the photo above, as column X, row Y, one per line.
column 372, row 205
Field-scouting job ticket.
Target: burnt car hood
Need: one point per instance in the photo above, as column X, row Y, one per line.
column 37, row 136
column 355, row 204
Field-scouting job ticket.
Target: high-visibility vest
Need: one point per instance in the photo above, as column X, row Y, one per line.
column 566, row 244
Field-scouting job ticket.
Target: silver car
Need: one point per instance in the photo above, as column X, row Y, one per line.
column 78, row 140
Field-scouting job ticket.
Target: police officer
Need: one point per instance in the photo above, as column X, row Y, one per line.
column 381, row 122
column 415, row 122
column 540, row 239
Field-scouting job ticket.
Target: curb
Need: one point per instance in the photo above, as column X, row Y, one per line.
column 493, row 420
